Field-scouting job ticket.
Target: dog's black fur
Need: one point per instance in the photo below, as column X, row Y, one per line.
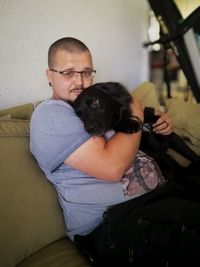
column 106, row 106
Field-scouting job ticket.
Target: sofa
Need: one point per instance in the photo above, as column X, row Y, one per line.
column 32, row 229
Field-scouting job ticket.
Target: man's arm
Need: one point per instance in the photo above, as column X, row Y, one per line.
column 108, row 160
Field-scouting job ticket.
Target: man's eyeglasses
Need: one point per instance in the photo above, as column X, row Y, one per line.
column 70, row 74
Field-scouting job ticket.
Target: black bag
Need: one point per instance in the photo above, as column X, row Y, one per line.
column 158, row 229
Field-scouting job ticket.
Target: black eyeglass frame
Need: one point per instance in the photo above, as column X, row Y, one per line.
column 73, row 71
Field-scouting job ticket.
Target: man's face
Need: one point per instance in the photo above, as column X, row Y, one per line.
column 66, row 88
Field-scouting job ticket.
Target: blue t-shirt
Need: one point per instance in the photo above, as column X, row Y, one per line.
column 55, row 133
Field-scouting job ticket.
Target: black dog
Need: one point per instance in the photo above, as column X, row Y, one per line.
column 106, row 106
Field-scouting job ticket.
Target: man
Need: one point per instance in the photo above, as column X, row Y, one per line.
column 89, row 173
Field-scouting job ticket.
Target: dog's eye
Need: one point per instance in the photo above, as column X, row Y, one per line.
column 94, row 103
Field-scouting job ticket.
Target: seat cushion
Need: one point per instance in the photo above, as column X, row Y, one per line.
column 61, row 253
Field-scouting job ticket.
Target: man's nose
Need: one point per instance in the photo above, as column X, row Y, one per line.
column 78, row 79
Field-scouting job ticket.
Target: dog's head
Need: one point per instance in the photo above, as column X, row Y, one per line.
column 97, row 110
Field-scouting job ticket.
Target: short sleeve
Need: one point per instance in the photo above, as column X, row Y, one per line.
column 55, row 133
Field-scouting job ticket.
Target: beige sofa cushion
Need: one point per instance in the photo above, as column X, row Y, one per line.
column 7, row 116
column 146, row 93
column 186, row 119
column 19, row 112
column 61, row 253
column 31, row 216
column 14, row 127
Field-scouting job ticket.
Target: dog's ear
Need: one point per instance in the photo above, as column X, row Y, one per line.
column 94, row 102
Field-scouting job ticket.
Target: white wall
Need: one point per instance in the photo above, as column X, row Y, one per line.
column 114, row 30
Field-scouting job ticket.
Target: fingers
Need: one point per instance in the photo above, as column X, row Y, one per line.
column 163, row 125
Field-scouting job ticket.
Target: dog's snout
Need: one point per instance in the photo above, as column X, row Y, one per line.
column 94, row 129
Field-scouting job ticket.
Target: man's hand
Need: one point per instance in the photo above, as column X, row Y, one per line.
column 164, row 124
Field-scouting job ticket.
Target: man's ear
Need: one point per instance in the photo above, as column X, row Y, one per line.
column 94, row 102
column 49, row 76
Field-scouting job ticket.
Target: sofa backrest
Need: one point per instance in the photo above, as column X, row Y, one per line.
column 30, row 215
